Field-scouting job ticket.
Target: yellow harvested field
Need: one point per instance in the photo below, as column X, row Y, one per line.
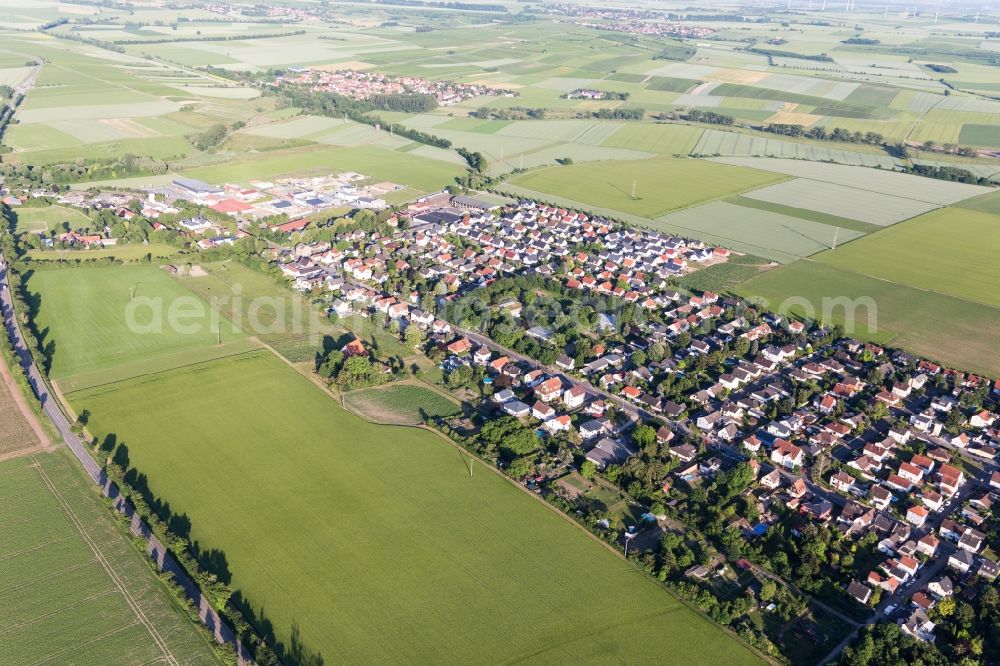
column 737, row 76
column 794, row 118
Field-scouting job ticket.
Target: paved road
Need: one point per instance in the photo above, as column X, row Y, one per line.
column 28, row 82
column 52, row 409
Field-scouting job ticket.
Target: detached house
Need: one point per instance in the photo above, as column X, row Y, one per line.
column 786, row 454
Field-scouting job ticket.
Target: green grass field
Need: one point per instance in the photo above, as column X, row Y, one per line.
column 980, row 135
column 48, row 218
column 988, row 203
column 381, row 164
column 85, row 314
column 66, row 569
column 403, row 404
column 316, row 510
column 723, row 277
column 125, row 253
column 662, row 185
column 951, row 331
column 951, row 251
column 278, row 316
column 662, row 139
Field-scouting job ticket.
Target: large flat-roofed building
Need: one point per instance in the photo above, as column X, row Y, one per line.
column 197, row 186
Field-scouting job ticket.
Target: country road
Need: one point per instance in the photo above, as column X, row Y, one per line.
column 154, row 548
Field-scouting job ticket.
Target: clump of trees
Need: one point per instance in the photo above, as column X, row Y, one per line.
column 620, row 114
column 823, row 134
column 710, row 117
column 475, row 160
column 513, row 113
column 210, row 138
column 341, row 106
column 82, row 169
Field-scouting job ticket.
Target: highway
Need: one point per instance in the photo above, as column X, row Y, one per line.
column 52, row 409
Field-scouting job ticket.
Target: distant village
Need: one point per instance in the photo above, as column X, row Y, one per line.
column 363, row 85
column 649, row 22
column 874, row 446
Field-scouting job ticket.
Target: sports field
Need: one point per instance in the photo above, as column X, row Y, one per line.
column 73, row 589
column 315, row 509
column 90, row 321
column 48, row 218
column 401, row 404
column 661, row 185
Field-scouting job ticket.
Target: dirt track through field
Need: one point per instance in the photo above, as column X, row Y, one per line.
column 41, row 437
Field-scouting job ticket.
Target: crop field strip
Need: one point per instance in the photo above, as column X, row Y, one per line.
column 762, row 232
column 72, row 584
column 959, row 244
column 840, row 200
column 718, row 142
column 872, row 180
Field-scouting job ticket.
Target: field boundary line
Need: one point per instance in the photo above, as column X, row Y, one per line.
column 132, row 603
column 61, row 395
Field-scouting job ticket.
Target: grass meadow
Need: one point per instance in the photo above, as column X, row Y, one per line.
column 48, row 218
column 662, row 185
column 66, row 569
column 315, row 509
column 402, row 404
column 83, row 317
column 125, row 253
column 281, row 318
column 951, row 251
